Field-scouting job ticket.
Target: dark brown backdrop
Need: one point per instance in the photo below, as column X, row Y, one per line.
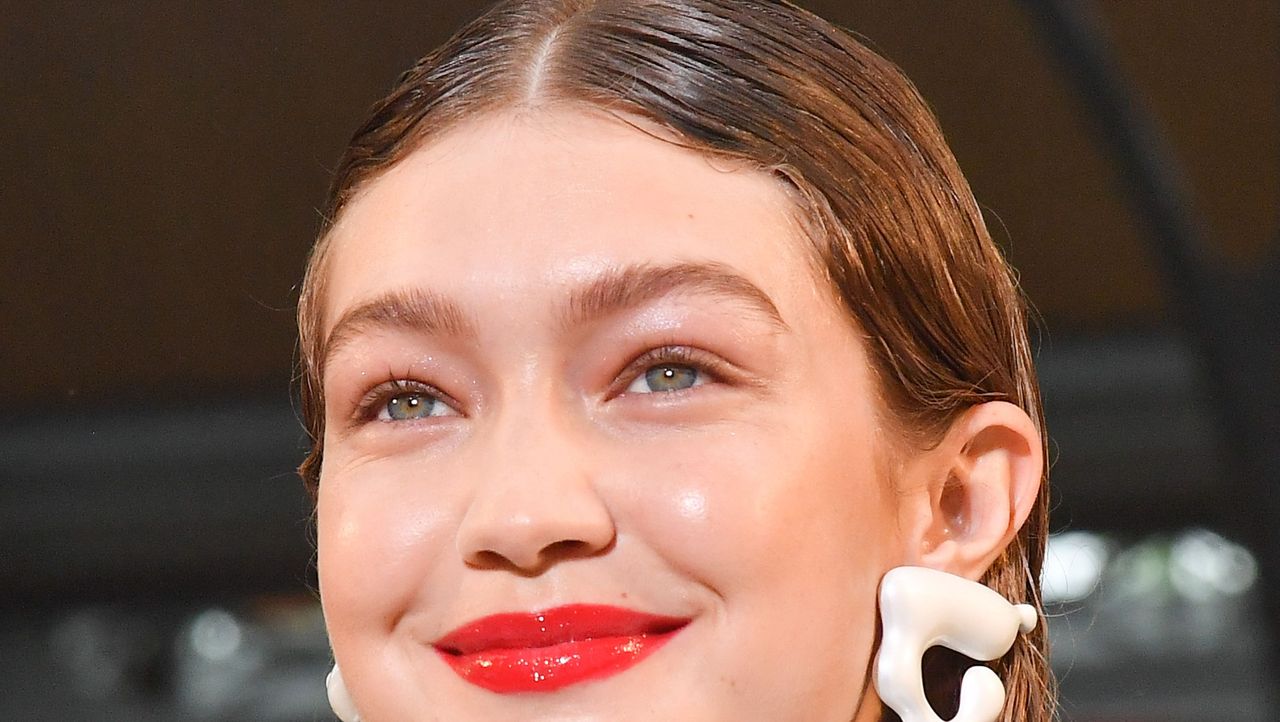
column 163, row 161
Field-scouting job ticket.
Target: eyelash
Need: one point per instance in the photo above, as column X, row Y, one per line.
column 376, row 399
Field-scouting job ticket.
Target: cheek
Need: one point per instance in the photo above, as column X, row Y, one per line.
column 791, row 529
column 745, row 508
column 377, row 538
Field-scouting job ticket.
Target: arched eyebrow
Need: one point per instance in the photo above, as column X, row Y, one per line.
column 630, row 286
column 616, row 290
column 410, row 309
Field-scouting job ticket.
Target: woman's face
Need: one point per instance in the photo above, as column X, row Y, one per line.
column 588, row 381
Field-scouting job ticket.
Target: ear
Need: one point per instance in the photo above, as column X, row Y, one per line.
column 972, row 493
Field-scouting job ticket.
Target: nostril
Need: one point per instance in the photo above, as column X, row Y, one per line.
column 549, row 554
column 572, row 549
column 566, row 548
column 487, row 559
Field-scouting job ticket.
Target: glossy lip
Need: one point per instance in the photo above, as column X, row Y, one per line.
column 552, row 649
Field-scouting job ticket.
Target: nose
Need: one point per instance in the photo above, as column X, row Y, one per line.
column 535, row 501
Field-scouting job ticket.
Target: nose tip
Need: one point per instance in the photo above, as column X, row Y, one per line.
column 531, row 527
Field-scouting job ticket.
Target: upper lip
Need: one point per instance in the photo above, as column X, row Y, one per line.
column 558, row 625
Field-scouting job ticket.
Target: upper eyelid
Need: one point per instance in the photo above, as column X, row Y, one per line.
column 659, row 354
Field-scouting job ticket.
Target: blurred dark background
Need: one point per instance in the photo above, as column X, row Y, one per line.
column 163, row 162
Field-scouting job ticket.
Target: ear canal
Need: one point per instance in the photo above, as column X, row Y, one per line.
column 954, row 506
column 921, row 608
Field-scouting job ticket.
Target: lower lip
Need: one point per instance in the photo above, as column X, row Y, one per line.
column 547, row 669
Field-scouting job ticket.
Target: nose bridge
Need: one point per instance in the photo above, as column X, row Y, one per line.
column 535, row 498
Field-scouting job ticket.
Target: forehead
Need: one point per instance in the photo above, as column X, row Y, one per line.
column 541, row 199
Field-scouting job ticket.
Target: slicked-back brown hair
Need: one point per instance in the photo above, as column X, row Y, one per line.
column 899, row 237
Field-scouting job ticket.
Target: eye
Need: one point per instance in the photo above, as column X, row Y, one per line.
column 667, row 377
column 671, row 369
column 404, row 400
column 411, row 405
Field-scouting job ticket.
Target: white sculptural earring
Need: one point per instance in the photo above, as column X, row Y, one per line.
column 922, row 608
column 339, row 697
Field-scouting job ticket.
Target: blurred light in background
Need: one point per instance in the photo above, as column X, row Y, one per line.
column 1202, row 565
column 1073, row 566
column 1197, row 564
column 1167, row 626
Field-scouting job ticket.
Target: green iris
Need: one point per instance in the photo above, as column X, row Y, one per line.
column 406, row 407
column 670, row 378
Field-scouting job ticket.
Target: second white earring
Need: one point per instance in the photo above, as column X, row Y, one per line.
column 339, row 697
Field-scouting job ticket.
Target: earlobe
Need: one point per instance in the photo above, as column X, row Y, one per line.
column 985, row 476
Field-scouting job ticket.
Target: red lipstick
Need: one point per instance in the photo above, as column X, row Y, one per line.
column 545, row 651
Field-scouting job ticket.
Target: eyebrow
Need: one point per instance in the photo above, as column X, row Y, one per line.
column 414, row 310
column 616, row 290
column 630, row 286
